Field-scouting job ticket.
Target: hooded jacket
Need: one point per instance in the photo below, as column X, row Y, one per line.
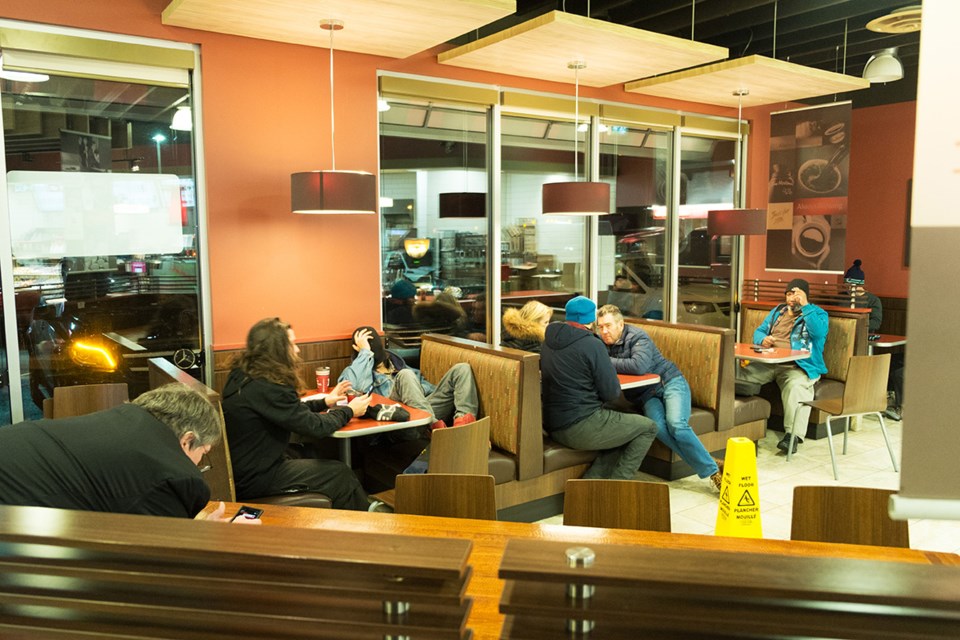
column 260, row 416
column 636, row 354
column 578, row 377
column 519, row 333
column 809, row 332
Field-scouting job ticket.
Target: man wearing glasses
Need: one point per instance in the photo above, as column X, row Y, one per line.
column 797, row 325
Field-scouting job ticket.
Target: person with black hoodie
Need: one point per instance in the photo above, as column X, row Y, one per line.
column 262, row 409
column 578, row 379
column 524, row 328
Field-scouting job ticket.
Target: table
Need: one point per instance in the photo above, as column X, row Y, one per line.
column 770, row 355
column 628, row 381
column 885, row 341
column 364, row 426
column 490, row 539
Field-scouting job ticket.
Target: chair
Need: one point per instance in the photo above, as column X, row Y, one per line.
column 79, row 400
column 852, row 515
column 451, row 495
column 864, row 393
column 617, row 504
column 463, row 449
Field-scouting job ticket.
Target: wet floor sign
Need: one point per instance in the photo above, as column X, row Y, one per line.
column 739, row 512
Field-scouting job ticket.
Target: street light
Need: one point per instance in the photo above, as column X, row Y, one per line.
column 158, row 138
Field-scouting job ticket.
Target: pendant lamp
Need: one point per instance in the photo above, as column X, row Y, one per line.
column 576, row 198
column 332, row 191
column 737, row 221
column 463, row 204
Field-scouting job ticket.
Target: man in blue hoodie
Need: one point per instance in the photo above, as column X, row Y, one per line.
column 798, row 325
column 578, row 380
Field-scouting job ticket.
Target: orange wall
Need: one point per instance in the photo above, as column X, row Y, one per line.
column 881, row 162
column 265, row 116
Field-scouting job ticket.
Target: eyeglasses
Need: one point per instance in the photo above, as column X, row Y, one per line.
column 204, row 465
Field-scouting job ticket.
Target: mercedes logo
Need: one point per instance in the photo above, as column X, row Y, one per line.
column 184, row 358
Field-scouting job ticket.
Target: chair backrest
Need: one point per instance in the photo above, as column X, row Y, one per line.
column 853, row 515
column 449, row 495
column 464, row 449
column 617, row 504
column 866, row 386
column 87, row 398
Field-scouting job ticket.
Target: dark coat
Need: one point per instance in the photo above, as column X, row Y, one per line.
column 521, row 334
column 577, row 376
column 122, row 460
column 636, row 354
column 260, row 417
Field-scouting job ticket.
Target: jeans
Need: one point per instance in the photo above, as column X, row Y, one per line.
column 622, row 439
column 671, row 411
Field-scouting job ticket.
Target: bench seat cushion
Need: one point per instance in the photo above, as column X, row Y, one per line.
column 556, row 456
column 702, row 421
column 503, row 466
column 750, row 409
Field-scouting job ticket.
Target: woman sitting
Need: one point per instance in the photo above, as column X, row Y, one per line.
column 523, row 328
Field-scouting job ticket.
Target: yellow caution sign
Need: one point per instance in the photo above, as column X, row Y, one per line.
column 739, row 512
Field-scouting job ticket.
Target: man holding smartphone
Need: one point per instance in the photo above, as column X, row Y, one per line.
column 140, row 457
column 799, row 325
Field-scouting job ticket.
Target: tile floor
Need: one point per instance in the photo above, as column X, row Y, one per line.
column 693, row 502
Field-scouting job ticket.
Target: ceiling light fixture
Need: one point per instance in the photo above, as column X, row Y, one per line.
column 883, row 66
column 466, row 203
column 332, row 191
column 182, row 119
column 737, row 221
column 576, row 198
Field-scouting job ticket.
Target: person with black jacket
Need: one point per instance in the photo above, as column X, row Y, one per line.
column 578, row 379
column 262, row 409
column 524, row 328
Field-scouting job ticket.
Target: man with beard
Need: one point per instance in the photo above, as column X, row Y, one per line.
column 798, row 325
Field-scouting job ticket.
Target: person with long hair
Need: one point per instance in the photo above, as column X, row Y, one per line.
column 524, row 328
column 262, row 409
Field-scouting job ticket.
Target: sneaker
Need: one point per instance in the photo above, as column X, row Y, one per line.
column 785, row 442
column 893, row 413
column 717, row 480
column 465, row 418
column 378, row 506
column 392, row 413
column 439, row 424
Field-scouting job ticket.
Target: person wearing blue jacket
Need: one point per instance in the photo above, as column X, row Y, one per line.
column 668, row 402
column 798, row 325
column 578, row 381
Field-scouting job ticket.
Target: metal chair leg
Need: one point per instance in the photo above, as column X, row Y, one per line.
column 793, row 437
column 833, row 455
column 886, row 438
column 846, row 430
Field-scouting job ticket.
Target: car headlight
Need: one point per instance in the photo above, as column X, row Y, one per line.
column 93, row 355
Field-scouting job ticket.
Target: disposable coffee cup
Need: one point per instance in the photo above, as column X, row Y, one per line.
column 323, row 379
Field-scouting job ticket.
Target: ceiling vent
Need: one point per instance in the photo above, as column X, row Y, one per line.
column 905, row 20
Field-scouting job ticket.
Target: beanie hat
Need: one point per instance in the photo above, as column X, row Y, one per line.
column 581, row 310
column 854, row 274
column 403, row 289
column 798, row 283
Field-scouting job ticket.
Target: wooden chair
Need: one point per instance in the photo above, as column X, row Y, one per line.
column 864, row 393
column 464, row 449
column 853, row 515
column 85, row 398
column 617, row 504
column 450, row 495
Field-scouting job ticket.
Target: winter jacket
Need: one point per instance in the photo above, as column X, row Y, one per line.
column 636, row 354
column 809, row 332
column 364, row 378
column 577, row 376
column 522, row 334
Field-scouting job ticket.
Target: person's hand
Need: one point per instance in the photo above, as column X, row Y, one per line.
column 767, row 341
column 359, row 404
column 801, row 296
column 217, row 515
column 361, row 339
column 337, row 394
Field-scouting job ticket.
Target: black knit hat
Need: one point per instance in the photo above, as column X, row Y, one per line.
column 798, row 283
column 854, row 274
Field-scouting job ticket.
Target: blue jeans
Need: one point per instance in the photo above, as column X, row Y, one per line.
column 671, row 411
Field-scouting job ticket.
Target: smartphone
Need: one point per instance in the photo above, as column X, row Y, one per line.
column 248, row 513
column 758, row 349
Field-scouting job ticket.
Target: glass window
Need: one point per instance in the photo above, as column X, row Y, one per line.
column 103, row 223
column 433, row 163
column 543, row 255
column 635, row 161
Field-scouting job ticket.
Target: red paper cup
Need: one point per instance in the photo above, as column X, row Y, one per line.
column 323, row 379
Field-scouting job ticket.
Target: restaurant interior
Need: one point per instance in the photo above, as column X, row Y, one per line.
column 175, row 171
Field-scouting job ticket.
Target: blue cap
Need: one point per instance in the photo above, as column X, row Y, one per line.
column 581, row 310
column 402, row 290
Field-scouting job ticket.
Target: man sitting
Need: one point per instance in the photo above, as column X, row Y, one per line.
column 140, row 457
column 667, row 403
column 798, row 325
column 578, row 379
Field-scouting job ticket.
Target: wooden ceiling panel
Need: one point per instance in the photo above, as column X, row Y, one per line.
column 542, row 48
column 392, row 28
column 768, row 81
